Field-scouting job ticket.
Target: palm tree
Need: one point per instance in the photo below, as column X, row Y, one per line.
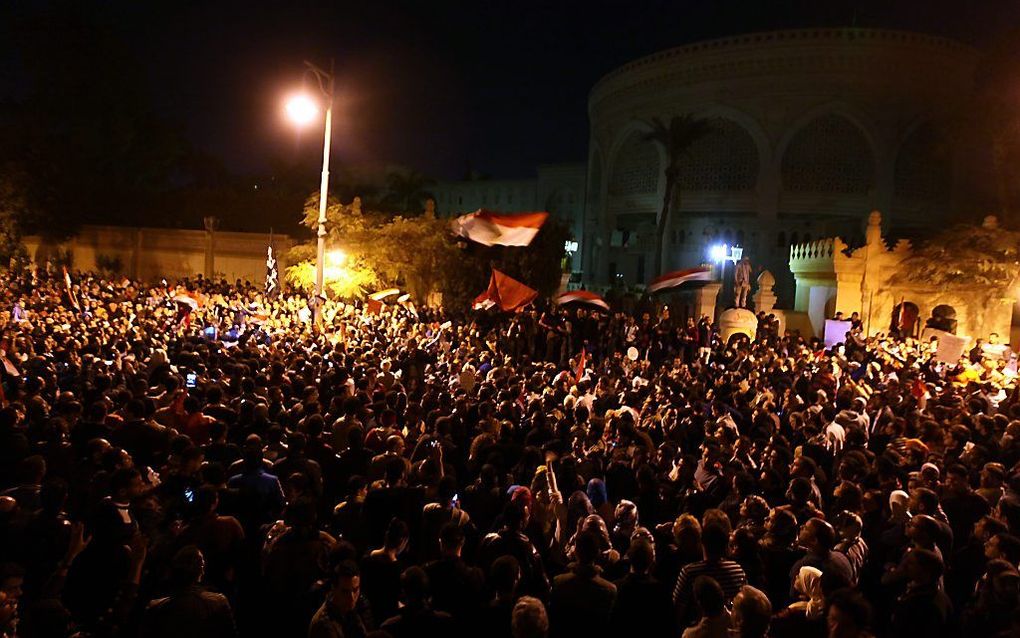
column 407, row 190
column 676, row 139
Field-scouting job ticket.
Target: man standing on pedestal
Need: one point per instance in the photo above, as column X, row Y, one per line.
column 742, row 282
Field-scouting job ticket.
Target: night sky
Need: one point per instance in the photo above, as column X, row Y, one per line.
column 437, row 86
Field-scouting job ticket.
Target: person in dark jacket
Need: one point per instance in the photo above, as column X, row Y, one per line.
column 338, row 616
column 190, row 610
column 641, row 595
column 582, row 601
column 510, row 540
column 924, row 609
column 456, row 587
column 417, row 618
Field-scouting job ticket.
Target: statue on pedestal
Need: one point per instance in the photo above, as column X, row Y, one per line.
column 742, row 282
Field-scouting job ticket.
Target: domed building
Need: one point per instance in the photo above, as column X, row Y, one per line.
column 811, row 130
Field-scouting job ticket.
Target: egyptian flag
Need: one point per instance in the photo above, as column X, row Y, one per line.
column 408, row 305
column 184, row 299
column 582, row 296
column 506, row 293
column 920, row 391
column 383, row 295
column 581, row 362
column 186, row 304
column 498, row 229
column 677, row 277
column 272, row 274
column 70, row 292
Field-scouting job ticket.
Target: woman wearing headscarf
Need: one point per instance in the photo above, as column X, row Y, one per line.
column 804, row 618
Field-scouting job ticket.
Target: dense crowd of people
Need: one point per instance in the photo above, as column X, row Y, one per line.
column 194, row 459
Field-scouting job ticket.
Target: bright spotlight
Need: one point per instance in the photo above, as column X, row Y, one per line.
column 336, row 257
column 302, row 109
column 717, row 253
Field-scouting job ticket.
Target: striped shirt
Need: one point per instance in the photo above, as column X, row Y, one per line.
column 727, row 573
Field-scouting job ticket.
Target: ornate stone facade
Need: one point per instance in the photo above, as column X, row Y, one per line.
column 830, row 278
column 813, row 128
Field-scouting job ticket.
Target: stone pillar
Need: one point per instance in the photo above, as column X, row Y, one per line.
column 764, row 299
column 885, row 184
column 848, row 292
column 737, row 321
column 705, row 299
column 212, row 224
column 136, row 254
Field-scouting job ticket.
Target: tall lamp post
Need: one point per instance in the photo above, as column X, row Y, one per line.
column 302, row 110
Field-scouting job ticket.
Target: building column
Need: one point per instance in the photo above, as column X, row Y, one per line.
column 706, row 298
column 136, row 254
column 885, row 184
column 605, row 234
column 211, row 225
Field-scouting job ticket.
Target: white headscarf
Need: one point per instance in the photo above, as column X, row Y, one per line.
column 809, row 585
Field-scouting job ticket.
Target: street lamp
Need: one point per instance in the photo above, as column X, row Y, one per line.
column 302, row 110
column 720, row 254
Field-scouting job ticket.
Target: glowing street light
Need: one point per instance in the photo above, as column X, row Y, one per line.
column 720, row 254
column 717, row 253
column 335, row 260
column 336, row 257
column 302, row 110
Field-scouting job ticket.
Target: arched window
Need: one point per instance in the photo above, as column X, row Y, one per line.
column 781, row 240
column 636, row 168
column 828, row 155
column 726, row 159
column 794, row 238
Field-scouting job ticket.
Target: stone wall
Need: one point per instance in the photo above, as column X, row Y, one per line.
column 152, row 253
column 832, row 278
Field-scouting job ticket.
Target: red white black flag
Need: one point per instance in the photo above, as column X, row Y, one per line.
column 499, row 229
column 582, row 296
column 505, row 292
column 677, row 277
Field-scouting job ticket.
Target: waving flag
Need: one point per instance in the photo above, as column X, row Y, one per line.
column 498, row 229
column 186, row 299
column 506, row 292
column 677, row 277
column 582, row 296
column 70, row 291
column 272, row 274
column 582, row 361
column 383, row 294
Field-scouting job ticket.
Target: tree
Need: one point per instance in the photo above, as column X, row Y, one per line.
column 986, row 256
column 420, row 255
column 407, row 190
column 14, row 209
column 675, row 139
